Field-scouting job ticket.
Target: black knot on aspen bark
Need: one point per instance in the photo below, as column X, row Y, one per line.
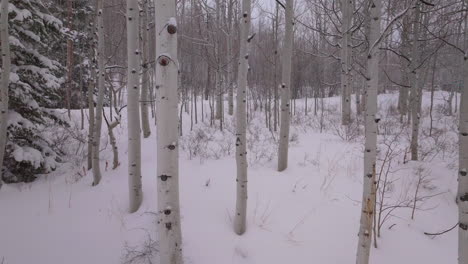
column 367, row 150
column 167, row 211
column 163, row 60
column 171, row 147
column 463, row 226
column 244, row 15
column 171, row 29
column 133, row 71
column 464, row 134
column 462, row 172
column 377, row 119
column 169, row 226
column 464, row 197
column 369, row 56
column 246, row 56
column 369, row 175
column 164, row 177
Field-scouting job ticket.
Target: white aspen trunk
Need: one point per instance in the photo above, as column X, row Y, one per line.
column 285, row 88
column 462, row 196
column 5, row 82
column 113, row 142
column 275, row 71
column 345, row 58
column 463, row 169
column 415, row 85
column 241, row 123
column 169, row 229
column 229, row 58
column 370, row 151
column 91, row 118
column 133, row 113
column 100, row 98
column 403, row 96
column 144, row 96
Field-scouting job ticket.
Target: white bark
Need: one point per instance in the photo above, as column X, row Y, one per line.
column 169, row 229
column 133, row 113
column 91, row 118
column 285, row 87
column 5, row 82
column 346, row 10
column 144, row 96
column 403, row 95
column 415, row 81
column 100, row 98
column 462, row 196
column 370, row 151
column 241, row 123
column 463, row 169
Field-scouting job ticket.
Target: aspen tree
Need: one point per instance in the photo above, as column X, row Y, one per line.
column 414, row 82
column 144, row 96
column 346, row 10
column 169, row 229
column 463, row 163
column 133, row 113
column 5, row 81
column 241, row 123
column 285, row 87
column 370, row 149
column 100, row 98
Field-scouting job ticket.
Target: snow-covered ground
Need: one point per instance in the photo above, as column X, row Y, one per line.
column 306, row 214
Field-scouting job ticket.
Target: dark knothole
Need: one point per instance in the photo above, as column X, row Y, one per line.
column 164, row 177
column 169, row 226
column 171, row 29
column 167, row 211
column 464, row 197
column 163, row 60
column 463, row 226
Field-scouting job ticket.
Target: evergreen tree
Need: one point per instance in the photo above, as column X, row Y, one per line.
column 36, row 77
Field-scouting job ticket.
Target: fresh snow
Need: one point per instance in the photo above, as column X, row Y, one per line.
column 306, row 214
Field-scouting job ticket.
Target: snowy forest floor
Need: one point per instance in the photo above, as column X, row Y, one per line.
column 306, row 214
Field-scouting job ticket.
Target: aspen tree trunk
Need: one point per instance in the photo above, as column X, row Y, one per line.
column 145, row 101
column 133, row 113
column 169, row 229
column 275, row 71
column 285, row 88
column 5, row 82
column 370, row 151
column 415, row 85
column 462, row 196
column 218, row 80
column 112, row 139
column 69, row 59
column 431, row 119
column 463, row 168
column 100, row 98
column 91, row 118
column 241, row 124
column 345, row 57
column 229, row 57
